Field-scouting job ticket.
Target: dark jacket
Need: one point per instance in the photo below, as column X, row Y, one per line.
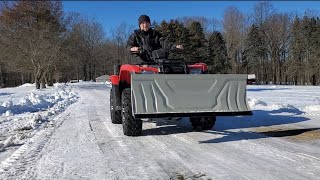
column 148, row 42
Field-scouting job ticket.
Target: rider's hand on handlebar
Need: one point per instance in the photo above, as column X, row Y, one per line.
column 135, row 50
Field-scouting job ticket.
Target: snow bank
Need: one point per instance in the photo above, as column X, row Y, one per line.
column 34, row 102
column 28, row 85
column 256, row 102
column 23, row 113
column 312, row 108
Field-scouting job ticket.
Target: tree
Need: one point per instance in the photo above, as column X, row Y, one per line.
column 198, row 43
column 310, row 31
column 255, row 53
column 208, row 25
column 217, row 54
column 234, row 26
column 296, row 68
column 261, row 12
column 83, row 48
column 33, row 28
column 277, row 33
column 120, row 37
column 175, row 32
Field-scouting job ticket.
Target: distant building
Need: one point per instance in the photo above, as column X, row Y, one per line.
column 251, row 79
column 103, row 78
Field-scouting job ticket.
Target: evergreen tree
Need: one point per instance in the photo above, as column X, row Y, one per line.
column 175, row 32
column 255, row 52
column 315, row 50
column 217, row 54
column 295, row 68
column 197, row 46
column 309, row 53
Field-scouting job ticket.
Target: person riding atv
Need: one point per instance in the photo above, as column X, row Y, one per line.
column 157, row 87
column 145, row 40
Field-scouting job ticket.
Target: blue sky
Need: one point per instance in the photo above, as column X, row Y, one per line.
column 112, row 13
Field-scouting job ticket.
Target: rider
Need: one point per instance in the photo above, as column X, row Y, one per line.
column 145, row 40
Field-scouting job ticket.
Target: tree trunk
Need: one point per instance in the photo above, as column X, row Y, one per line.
column 314, row 80
column 45, row 78
column 22, row 78
column 1, row 77
column 43, row 83
column 37, row 81
column 77, row 74
column 50, row 79
column 37, row 78
column 85, row 72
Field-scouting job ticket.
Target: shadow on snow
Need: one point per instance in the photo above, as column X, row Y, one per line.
column 225, row 125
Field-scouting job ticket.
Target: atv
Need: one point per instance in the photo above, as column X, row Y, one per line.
column 166, row 88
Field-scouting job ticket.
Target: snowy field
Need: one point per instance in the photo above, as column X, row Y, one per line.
column 64, row 132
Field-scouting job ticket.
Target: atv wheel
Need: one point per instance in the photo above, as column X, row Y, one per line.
column 131, row 126
column 115, row 115
column 202, row 123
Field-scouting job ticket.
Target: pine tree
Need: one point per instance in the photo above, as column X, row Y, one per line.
column 217, row 54
column 311, row 49
column 295, row 67
column 255, row 52
column 175, row 32
column 197, row 46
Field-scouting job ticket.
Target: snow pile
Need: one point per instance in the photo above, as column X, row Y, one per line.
column 28, row 85
column 256, row 102
column 28, row 111
column 34, row 102
column 281, row 106
column 7, row 104
column 313, row 108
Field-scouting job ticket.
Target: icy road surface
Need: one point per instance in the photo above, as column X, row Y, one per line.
column 280, row 141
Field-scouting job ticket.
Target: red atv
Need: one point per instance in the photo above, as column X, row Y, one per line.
column 172, row 88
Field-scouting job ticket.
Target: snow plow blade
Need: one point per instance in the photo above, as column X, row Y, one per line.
column 187, row 95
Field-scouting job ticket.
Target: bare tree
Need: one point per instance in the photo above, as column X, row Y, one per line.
column 234, row 31
column 31, row 28
column 262, row 11
column 277, row 32
column 120, row 37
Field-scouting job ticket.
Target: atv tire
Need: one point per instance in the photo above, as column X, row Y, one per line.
column 131, row 126
column 115, row 114
column 202, row 123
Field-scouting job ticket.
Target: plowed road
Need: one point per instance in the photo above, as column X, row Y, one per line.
column 84, row 144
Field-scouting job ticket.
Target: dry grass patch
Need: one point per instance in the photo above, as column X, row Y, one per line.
column 290, row 133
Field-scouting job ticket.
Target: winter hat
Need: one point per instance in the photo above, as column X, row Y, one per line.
column 143, row 18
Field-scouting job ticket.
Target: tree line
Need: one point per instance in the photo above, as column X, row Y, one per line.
column 41, row 44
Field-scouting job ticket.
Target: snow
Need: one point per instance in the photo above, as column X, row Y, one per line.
column 25, row 108
column 315, row 108
column 64, row 132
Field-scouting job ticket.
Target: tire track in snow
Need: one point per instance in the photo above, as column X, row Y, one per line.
column 138, row 157
column 114, row 147
column 21, row 162
column 128, row 163
column 256, row 155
